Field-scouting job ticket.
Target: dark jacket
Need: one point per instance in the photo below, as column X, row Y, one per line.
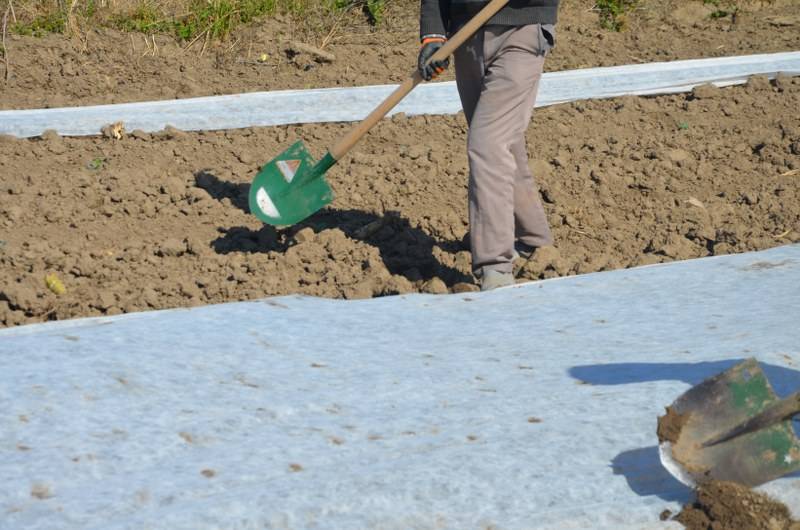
column 442, row 17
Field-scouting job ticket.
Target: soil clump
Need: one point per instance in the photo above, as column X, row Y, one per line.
column 670, row 426
column 730, row 506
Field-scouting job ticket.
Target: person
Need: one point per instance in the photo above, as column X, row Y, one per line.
column 497, row 74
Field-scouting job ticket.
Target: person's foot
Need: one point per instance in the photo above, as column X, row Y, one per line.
column 493, row 279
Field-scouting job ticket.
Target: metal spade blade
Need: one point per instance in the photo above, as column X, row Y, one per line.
column 702, row 448
column 291, row 187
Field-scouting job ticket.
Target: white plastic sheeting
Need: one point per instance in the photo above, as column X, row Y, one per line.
column 530, row 407
column 352, row 104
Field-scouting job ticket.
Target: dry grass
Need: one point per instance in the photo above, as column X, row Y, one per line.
column 185, row 19
column 215, row 20
column 9, row 11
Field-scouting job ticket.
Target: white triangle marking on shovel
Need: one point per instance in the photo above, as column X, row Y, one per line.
column 266, row 204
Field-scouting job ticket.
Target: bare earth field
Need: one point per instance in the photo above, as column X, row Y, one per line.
column 160, row 221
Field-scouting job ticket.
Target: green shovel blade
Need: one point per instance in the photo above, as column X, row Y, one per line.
column 720, row 403
column 291, row 187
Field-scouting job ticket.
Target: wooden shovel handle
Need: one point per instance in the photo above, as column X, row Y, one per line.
column 351, row 138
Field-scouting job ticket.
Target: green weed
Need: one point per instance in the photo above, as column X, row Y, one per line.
column 52, row 22
column 145, row 18
column 96, row 163
column 218, row 18
column 40, row 17
column 373, row 9
column 614, row 13
column 722, row 9
column 252, row 9
column 376, row 9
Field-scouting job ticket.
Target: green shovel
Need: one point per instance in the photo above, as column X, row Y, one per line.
column 292, row 186
column 732, row 427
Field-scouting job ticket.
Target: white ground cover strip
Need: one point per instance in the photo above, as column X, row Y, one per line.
column 529, row 407
column 353, row 104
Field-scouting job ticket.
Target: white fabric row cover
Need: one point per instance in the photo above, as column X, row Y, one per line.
column 526, row 408
column 352, row 104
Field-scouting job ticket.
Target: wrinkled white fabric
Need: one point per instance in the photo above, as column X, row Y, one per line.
column 353, row 104
column 529, row 407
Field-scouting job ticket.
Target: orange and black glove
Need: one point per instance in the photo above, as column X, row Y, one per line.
column 430, row 44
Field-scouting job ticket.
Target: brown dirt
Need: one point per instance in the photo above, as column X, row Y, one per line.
column 155, row 221
column 107, row 66
column 670, row 426
column 729, row 506
column 159, row 221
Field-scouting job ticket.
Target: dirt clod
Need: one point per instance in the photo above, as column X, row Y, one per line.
column 41, row 491
column 294, row 48
column 435, row 286
column 113, row 131
column 670, row 426
column 730, row 506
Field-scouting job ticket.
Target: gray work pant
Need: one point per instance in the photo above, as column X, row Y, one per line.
column 497, row 74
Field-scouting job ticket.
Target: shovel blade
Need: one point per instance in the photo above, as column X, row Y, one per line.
column 290, row 187
column 717, row 405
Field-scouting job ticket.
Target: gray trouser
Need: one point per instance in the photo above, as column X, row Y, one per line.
column 497, row 73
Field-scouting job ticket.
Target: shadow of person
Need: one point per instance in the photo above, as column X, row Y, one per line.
column 646, row 476
column 219, row 189
column 404, row 249
column 783, row 380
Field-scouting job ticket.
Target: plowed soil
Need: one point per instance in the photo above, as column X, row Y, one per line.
column 155, row 221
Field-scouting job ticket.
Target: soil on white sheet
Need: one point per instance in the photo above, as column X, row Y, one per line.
column 670, row 426
column 730, row 506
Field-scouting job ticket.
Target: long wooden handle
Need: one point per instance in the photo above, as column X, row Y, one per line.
column 356, row 133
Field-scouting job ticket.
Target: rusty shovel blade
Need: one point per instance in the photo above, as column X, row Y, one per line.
column 694, row 435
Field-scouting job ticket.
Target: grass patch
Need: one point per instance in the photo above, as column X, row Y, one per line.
column 48, row 22
column 614, row 13
column 722, row 9
column 215, row 17
column 373, row 9
column 183, row 19
column 731, row 8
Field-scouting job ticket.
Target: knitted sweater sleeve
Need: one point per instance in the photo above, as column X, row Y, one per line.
column 433, row 17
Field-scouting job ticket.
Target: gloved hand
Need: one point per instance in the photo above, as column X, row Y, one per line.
column 434, row 68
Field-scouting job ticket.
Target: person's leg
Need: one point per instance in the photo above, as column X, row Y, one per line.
column 530, row 221
column 513, row 62
column 469, row 65
column 531, row 227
